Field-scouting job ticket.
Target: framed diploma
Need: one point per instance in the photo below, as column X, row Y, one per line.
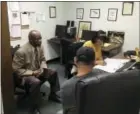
column 112, row 14
column 94, row 13
column 52, row 11
column 83, row 25
column 127, row 8
column 79, row 13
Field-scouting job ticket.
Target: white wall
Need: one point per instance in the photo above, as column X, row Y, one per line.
column 128, row 24
column 46, row 28
column 67, row 11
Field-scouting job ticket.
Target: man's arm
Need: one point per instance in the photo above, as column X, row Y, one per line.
column 18, row 64
column 43, row 59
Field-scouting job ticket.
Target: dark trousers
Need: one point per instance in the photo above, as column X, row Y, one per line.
column 48, row 75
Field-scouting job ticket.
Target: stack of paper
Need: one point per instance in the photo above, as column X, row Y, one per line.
column 112, row 65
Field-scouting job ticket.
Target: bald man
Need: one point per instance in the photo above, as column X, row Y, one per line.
column 29, row 62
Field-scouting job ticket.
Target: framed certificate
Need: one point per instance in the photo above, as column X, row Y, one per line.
column 79, row 13
column 83, row 25
column 112, row 14
column 52, row 11
column 94, row 13
column 127, row 8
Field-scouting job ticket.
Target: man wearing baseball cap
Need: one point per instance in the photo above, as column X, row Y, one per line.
column 85, row 61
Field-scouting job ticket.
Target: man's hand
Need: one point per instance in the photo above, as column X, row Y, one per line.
column 37, row 73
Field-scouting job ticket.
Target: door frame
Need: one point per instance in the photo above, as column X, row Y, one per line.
column 7, row 90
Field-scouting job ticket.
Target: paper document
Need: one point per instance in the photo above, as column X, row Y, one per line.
column 24, row 19
column 112, row 65
column 40, row 17
column 15, row 31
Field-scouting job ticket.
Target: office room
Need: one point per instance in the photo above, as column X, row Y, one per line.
column 70, row 57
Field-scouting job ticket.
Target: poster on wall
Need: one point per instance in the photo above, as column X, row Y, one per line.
column 79, row 13
column 15, row 31
column 94, row 13
column 112, row 14
column 127, row 8
column 83, row 25
column 25, row 18
column 40, row 17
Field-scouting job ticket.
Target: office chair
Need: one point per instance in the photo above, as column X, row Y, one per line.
column 117, row 93
column 71, row 53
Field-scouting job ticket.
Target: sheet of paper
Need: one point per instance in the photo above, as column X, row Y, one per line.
column 112, row 65
column 14, row 6
column 15, row 18
column 25, row 19
column 40, row 17
column 15, row 31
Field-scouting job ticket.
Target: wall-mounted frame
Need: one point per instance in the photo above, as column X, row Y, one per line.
column 94, row 13
column 52, row 11
column 127, row 8
column 83, row 25
column 79, row 13
column 112, row 14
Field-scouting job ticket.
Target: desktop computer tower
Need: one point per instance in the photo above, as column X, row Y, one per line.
column 70, row 23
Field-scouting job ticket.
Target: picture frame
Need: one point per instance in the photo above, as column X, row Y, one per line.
column 127, row 8
column 83, row 25
column 52, row 11
column 94, row 13
column 79, row 13
column 112, row 14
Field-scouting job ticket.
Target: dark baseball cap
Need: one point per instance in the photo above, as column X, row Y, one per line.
column 85, row 54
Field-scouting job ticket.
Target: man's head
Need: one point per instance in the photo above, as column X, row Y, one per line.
column 35, row 38
column 85, row 56
column 98, row 38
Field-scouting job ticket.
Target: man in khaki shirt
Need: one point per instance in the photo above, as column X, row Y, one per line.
column 29, row 62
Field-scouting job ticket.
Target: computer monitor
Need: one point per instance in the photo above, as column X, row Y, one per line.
column 60, row 31
column 88, row 35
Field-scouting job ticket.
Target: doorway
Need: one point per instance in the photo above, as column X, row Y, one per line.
column 9, row 106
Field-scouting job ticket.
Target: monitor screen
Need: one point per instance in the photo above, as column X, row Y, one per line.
column 88, row 35
column 60, row 30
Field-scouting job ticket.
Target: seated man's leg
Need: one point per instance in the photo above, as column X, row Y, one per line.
column 34, row 95
column 52, row 77
column 54, row 81
column 32, row 81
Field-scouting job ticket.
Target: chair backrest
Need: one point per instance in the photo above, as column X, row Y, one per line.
column 14, row 49
column 117, row 93
column 72, row 49
column 17, row 80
